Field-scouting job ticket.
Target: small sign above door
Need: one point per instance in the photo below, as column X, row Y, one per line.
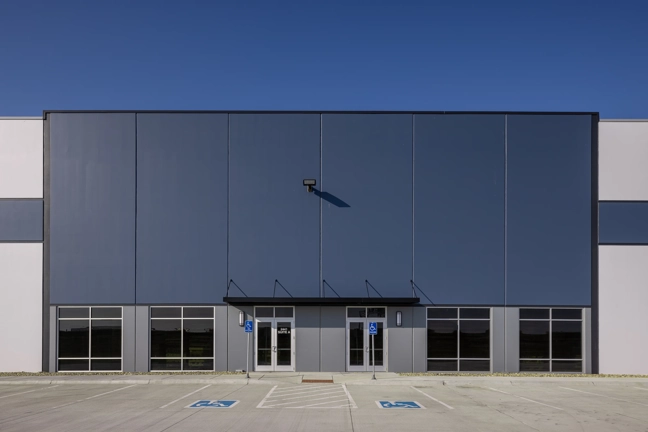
column 283, row 330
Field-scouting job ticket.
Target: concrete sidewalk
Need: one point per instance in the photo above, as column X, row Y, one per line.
column 276, row 378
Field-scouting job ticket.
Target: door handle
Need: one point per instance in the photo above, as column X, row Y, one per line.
column 367, row 349
column 274, row 348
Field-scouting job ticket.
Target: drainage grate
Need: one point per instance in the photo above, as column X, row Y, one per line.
column 317, row 381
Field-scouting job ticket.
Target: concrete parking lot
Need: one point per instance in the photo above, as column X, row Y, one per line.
column 78, row 404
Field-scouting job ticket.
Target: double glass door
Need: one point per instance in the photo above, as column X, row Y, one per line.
column 359, row 344
column 275, row 344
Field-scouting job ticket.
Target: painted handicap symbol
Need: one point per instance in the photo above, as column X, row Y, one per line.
column 399, row 405
column 213, row 404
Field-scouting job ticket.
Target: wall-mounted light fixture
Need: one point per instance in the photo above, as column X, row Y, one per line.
column 309, row 183
column 241, row 318
column 399, row 318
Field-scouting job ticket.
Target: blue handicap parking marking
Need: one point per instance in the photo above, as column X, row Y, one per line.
column 373, row 328
column 399, row 404
column 213, row 404
column 248, row 326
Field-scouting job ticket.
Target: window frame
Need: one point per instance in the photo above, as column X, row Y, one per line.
column 89, row 358
column 458, row 320
column 551, row 359
column 182, row 358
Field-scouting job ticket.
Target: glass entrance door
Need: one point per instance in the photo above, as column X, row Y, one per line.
column 274, row 344
column 359, row 345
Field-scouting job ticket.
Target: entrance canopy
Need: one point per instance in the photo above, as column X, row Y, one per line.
column 322, row 301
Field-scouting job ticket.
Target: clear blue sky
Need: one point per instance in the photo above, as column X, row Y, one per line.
column 311, row 55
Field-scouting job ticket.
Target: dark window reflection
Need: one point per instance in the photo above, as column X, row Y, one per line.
column 165, row 338
column 376, row 313
column 264, row 343
column 534, row 339
column 474, row 339
column 567, row 366
column 198, row 364
column 474, row 365
column 284, row 346
column 442, row 365
column 106, row 338
column 166, row 312
column 442, row 312
column 164, row 364
column 283, row 312
column 264, row 312
column 198, row 312
column 356, row 312
column 442, row 339
column 566, row 339
column 474, row 313
column 198, row 338
column 106, row 312
column 566, row 313
column 73, row 365
column 74, row 338
column 74, row 312
column 534, row 365
column 534, row 313
column 105, row 365
column 356, row 344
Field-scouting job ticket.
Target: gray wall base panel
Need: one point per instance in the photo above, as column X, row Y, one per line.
column 307, row 341
column 129, row 338
column 399, row 341
column 333, row 337
column 53, row 347
column 236, row 339
column 498, row 344
column 587, row 340
column 142, row 334
column 220, row 336
column 419, row 338
column 512, row 340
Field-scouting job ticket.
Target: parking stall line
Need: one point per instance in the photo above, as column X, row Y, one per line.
column 112, row 391
column 526, row 399
column 266, row 397
column 353, row 404
column 25, row 392
column 185, row 396
column 298, row 390
column 323, row 403
column 281, row 398
column 434, row 399
column 289, row 403
column 604, row 396
column 304, row 393
column 300, row 387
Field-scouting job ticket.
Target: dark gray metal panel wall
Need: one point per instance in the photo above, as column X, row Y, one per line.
column 181, row 208
column 237, row 339
column 21, row 220
column 367, row 218
column 274, row 221
column 333, row 331
column 307, row 341
column 623, row 222
column 399, row 340
column 92, row 213
column 459, row 208
column 549, row 246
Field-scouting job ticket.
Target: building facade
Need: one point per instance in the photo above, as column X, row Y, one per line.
column 476, row 242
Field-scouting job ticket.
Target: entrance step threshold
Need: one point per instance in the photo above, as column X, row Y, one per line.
column 316, row 381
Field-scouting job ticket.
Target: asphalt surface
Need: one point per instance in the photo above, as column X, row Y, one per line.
column 357, row 404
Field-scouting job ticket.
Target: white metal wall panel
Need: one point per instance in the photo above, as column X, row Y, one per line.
column 21, row 288
column 623, row 156
column 21, row 158
column 623, row 296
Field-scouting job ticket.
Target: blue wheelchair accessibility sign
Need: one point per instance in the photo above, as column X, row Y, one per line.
column 213, row 404
column 248, row 326
column 399, row 405
column 373, row 328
